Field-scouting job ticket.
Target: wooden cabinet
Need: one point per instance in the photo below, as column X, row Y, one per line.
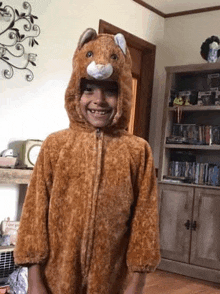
column 190, row 231
column 175, row 211
column 206, row 234
column 190, row 201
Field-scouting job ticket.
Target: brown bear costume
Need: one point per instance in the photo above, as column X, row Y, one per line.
column 90, row 216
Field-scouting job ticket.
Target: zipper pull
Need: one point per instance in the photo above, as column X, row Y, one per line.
column 98, row 132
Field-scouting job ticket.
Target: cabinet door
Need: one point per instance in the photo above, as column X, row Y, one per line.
column 176, row 204
column 206, row 237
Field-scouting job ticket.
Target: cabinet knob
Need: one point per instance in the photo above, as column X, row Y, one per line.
column 193, row 227
column 190, row 225
column 187, row 224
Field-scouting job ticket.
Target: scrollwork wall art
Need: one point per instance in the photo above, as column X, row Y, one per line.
column 18, row 32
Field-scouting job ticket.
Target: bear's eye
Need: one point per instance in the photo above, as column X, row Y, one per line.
column 89, row 54
column 114, row 56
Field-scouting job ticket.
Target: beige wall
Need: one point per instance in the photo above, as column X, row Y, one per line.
column 35, row 109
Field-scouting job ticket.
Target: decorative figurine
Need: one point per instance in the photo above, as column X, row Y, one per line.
column 178, row 101
column 210, row 49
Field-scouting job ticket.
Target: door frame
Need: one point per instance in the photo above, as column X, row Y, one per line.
column 145, row 81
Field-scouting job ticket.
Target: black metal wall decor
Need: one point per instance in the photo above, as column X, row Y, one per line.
column 17, row 32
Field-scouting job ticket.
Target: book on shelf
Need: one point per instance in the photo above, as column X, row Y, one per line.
column 206, row 173
column 213, row 179
column 196, row 180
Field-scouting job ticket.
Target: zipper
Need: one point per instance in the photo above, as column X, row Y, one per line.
column 91, row 221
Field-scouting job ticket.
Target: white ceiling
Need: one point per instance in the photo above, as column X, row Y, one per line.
column 173, row 6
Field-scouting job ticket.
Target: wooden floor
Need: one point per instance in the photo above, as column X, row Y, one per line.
column 162, row 282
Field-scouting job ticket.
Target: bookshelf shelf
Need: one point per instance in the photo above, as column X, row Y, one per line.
column 193, row 147
column 195, row 108
column 163, row 182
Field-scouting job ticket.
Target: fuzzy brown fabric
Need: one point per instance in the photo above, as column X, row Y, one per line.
column 90, row 215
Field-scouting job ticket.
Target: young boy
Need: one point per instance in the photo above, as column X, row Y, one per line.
column 89, row 223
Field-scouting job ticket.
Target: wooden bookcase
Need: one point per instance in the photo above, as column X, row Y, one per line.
column 189, row 209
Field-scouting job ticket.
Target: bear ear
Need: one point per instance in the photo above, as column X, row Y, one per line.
column 121, row 42
column 88, row 35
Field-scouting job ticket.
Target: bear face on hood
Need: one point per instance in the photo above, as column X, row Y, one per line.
column 101, row 57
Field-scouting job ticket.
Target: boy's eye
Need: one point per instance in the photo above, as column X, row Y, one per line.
column 111, row 92
column 89, row 54
column 88, row 89
column 114, row 57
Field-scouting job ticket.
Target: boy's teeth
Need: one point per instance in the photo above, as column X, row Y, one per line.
column 98, row 111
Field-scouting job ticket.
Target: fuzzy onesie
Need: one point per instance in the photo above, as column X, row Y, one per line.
column 90, row 216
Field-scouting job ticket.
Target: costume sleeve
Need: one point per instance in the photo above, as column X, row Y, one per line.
column 143, row 253
column 32, row 243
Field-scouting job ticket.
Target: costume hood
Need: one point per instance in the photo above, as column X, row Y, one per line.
column 100, row 57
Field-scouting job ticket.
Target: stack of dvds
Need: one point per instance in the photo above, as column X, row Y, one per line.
column 195, row 172
column 208, row 135
column 195, row 134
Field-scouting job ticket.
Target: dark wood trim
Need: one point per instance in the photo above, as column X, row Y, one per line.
column 132, row 40
column 143, row 105
column 181, row 13
column 150, row 7
column 187, row 12
column 145, row 80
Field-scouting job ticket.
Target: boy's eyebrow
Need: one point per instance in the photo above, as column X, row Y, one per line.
column 111, row 85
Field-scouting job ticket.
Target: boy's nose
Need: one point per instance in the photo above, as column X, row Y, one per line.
column 99, row 96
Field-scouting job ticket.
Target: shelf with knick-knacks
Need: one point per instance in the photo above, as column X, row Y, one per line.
column 191, row 126
column 189, row 172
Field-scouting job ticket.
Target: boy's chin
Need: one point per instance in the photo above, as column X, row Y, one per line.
column 99, row 122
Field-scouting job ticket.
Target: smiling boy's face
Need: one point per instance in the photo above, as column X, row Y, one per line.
column 98, row 102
